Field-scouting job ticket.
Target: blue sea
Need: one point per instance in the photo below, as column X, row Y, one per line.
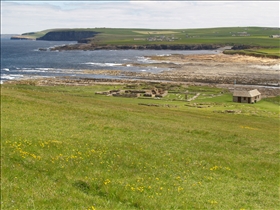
column 21, row 59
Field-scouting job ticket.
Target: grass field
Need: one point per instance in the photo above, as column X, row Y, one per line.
column 34, row 35
column 271, row 50
column 258, row 36
column 156, row 32
column 67, row 148
column 262, row 52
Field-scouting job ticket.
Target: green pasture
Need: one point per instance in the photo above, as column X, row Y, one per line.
column 64, row 147
column 156, row 32
column 185, row 37
column 258, row 36
column 262, row 52
column 270, row 50
column 34, row 35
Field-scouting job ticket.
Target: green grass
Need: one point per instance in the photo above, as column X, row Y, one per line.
column 262, row 52
column 34, row 35
column 67, row 148
column 270, row 50
column 259, row 36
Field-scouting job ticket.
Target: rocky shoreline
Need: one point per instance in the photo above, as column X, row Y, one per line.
column 84, row 46
column 21, row 38
column 210, row 69
column 220, row 69
column 244, row 72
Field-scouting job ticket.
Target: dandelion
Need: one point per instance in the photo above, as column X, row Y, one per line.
column 214, row 168
column 213, row 202
column 180, row 189
column 141, row 189
column 107, row 181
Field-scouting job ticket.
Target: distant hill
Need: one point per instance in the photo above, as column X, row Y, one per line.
column 257, row 36
column 132, row 38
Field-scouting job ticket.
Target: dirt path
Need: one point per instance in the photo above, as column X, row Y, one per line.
column 191, row 99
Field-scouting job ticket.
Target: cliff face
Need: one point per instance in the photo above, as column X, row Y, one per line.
column 79, row 36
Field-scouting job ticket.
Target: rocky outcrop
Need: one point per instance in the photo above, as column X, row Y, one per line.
column 137, row 47
column 68, row 35
column 241, row 47
column 21, row 38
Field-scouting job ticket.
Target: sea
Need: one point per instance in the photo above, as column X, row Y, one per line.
column 23, row 59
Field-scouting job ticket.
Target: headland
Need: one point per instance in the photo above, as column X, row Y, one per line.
column 253, row 41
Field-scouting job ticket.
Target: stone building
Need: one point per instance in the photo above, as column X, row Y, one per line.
column 244, row 96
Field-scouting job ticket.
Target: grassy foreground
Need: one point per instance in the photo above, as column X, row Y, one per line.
column 67, row 148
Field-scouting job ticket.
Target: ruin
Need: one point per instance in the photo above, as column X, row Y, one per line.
column 152, row 93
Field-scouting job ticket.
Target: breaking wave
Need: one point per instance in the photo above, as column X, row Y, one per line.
column 103, row 64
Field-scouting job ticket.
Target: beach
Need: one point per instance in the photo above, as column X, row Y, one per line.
column 218, row 69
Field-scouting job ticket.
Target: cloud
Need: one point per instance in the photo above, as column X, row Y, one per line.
column 20, row 17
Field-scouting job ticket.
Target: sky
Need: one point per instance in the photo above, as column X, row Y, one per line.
column 19, row 17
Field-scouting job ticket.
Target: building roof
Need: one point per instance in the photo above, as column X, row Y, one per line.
column 245, row 93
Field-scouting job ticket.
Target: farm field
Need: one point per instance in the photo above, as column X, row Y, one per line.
column 223, row 36
column 64, row 147
column 156, row 32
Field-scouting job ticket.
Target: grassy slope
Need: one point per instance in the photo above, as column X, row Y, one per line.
column 263, row 52
column 259, row 36
column 34, row 35
column 66, row 148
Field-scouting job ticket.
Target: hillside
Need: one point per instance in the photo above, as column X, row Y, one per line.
column 64, row 147
column 227, row 36
column 243, row 38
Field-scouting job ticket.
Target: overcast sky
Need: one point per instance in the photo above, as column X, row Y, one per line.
column 27, row 16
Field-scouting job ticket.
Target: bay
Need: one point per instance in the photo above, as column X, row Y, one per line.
column 21, row 59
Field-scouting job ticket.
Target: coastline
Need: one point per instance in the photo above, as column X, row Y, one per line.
column 220, row 70
column 198, row 69
column 90, row 47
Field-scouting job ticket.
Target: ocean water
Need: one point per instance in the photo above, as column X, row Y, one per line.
column 22, row 59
